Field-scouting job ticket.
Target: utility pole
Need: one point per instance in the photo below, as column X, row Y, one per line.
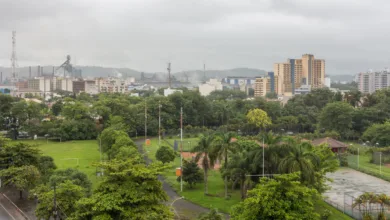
column 169, row 74
column 181, row 149
column 100, row 146
column 263, row 156
column 55, row 203
column 146, row 119
column 159, row 123
column 204, row 72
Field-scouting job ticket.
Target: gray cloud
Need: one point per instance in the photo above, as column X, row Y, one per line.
column 351, row 35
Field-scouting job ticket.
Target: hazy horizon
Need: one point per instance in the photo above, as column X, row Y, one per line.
column 145, row 35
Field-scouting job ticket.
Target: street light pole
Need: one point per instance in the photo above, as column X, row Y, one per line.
column 181, row 149
column 159, row 123
column 100, row 147
column 146, row 119
column 55, row 203
column 263, row 156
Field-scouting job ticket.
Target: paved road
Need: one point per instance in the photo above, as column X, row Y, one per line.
column 4, row 214
column 9, row 211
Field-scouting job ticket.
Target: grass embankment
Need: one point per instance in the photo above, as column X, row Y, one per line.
column 215, row 187
column 366, row 166
column 72, row 154
column 336, row 214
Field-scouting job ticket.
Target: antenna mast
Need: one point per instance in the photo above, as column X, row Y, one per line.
column 13, row 58
column 169, row 74
column 204, row 72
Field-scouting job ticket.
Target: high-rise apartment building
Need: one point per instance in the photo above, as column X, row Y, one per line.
column 266, row 84
column 370, row 81
column 297, row 72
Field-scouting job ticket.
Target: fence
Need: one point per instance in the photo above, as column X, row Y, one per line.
column 374, row 164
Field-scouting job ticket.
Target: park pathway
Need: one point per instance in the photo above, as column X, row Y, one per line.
column 185, row 209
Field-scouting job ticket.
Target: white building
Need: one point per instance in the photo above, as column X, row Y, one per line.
column 327, row 82
column 304, row 89
column 170, row 91
column 210, row 86
column 91, row 87
column 369, row 82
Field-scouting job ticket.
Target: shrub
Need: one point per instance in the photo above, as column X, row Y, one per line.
column 326, row 214
column 165, row 154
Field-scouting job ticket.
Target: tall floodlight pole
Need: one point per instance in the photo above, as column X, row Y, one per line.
column 263, row 156
column 100, row 146
column 181, row 149
column 159, row 123
column 146, row 119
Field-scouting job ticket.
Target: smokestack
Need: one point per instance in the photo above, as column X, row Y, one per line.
column 169, row 74
column 39, row 70
column 29, row 72
column 53, row 72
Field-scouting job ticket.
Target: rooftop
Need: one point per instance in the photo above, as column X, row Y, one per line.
column 332, row 143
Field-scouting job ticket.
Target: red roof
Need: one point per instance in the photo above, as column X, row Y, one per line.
column 332, row 143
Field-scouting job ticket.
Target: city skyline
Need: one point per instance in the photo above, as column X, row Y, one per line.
column 146, row 35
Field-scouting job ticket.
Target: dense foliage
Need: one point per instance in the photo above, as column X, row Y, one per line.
column 281, row 198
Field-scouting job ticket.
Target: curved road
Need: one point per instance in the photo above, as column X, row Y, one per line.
column 182, row 207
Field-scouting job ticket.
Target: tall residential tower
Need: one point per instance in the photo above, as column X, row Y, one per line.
column 295, row 73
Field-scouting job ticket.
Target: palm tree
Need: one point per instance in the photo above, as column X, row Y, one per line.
column 239, row 169
column 301, row 159
column 203, row 151
column 384, row 201
column 272, row 153
column 364, row 202
column 222, row 145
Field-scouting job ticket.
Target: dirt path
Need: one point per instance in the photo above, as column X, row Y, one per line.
column 185, row 209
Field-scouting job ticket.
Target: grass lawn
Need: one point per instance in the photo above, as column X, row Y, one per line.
column 336, row 214
column 72, row 154
column 370, row 168
column 196, row 195
column 216, row 188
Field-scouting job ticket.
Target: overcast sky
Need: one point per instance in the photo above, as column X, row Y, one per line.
column 351, row 35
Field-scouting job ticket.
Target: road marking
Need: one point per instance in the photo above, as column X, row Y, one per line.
column 7, row 212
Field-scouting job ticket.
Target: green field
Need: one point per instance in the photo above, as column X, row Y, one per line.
column 370, row 168
column 73, row 154
column 216, row 188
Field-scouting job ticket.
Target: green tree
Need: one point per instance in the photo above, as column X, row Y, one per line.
column 337, row 116
column 56, row 108
column 165, row 154
column 271, row 95
column 223, row 144
column 211, row 215
column 75, row 110
column 378, row 133
column 112, row 140
column 22, row 178
column 46, row 166
column 75, row 176
column 191, row 173
column 67, row 194
column 301, row 159
column 19, row 154
column 204, row 152
column 259, row 118
column 287, row 122
column 124, row 194
column 239, row 167
column 281, row 198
